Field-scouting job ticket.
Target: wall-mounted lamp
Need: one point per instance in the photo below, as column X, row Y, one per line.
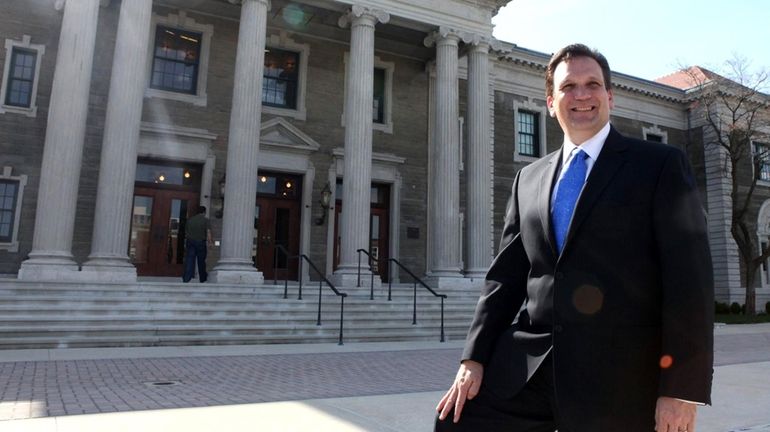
column 325, row 201
column 220, row 211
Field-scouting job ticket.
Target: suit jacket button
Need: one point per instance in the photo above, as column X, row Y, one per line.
column 559, row 275
column 558, row 328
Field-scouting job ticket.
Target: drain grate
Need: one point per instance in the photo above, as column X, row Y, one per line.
column 757, row 428
column 163, row 383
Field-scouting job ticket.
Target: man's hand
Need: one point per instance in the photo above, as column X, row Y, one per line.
column 674, row 415
column 466, row 386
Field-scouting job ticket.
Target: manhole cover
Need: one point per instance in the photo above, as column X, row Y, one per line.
column 163, row 383
column 758, row 428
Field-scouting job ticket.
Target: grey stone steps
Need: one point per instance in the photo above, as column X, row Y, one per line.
column 49, row 315
column 322, row 336
column 193, row 317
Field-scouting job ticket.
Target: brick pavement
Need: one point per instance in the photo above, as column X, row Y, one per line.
column 30, row 389
column 35, row 389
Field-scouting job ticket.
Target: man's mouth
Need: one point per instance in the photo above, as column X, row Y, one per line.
column 583, row 109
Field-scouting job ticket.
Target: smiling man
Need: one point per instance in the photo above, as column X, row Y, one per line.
column 597, row 312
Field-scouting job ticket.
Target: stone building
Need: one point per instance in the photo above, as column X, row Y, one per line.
column 315, row 127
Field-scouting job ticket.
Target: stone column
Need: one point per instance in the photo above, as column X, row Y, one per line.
column 357, row 181
column 479, row 165
column 235, row 264
column 51, row 256
column 444, row 199
column 117, row 171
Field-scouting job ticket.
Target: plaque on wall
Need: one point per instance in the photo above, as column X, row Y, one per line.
column 412, row 232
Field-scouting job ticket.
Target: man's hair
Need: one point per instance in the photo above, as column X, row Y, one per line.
column 201, row 209
column 570, row 52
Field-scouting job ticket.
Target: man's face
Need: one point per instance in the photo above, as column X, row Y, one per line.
column 579, row 101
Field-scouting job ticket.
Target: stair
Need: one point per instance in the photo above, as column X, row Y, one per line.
column 74, row 315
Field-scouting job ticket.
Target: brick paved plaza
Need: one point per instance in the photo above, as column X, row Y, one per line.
column 360, row 387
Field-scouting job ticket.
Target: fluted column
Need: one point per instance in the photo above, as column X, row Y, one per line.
column 51, row 256
column 357, row 180
column 444, row 199
column 235, row 264
column 117, row 170
column 479, row 164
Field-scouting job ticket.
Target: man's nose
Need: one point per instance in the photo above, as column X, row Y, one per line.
column 581, row 92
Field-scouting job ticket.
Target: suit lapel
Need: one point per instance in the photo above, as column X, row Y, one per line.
column 547, row 180
column 607, row 165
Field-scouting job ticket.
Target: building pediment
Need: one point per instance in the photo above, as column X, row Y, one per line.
column 280, row 135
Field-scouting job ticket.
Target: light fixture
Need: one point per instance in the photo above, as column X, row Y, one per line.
column 288, row 185
column 221, row 210
column 161, row 178
column 263, row 179
column 187, row 174
column 325, row 201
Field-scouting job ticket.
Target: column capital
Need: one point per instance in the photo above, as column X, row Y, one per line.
column 241, row 2
column 357, row 13
column 486, row 43
column 59, row 4
column 446, row 34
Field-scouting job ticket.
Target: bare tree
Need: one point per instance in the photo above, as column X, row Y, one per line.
column 736, row 111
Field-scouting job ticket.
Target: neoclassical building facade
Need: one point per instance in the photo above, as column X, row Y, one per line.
column 315, row 127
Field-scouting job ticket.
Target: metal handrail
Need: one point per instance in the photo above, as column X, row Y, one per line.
column 341, row 295
column 286, row 272
column 415, row 280
column 371, row 270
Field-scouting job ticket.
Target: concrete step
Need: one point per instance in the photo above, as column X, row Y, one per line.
column 49, row 315
column 322, row 336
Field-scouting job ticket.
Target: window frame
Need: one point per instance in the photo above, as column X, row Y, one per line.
column 655, row 130
column 156, row 58
column 533, row 108
column 181, row 21
column 387, row 125
column 26, row 45
column 282, row 41
column 534, row 135
column 765, row 167
column 21, row 181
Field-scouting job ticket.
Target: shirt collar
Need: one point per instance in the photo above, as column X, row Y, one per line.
column 592, row 146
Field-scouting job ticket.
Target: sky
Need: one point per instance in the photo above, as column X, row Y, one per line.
column 646, row 39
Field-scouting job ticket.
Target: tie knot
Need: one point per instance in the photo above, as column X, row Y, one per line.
column 580, row 155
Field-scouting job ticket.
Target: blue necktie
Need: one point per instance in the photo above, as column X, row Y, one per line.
column 567, row 194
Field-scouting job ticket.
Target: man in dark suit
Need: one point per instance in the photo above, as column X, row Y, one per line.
column 597, row 313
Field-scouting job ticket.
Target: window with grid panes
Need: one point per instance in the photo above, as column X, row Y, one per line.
column 281, row 78
column 378, row 107
column 528, row 131
column 654, row 138
column 175, row 60
column 8, row 191
column 762, row 155
column 21, row 78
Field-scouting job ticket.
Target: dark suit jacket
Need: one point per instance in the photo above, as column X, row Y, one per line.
column 632, row 289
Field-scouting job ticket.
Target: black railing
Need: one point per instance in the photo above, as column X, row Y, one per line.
column 341, row 295
column 280, row 248
column 371, row 270
column 414, row 296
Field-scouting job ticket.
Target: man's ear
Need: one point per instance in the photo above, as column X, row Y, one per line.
column 549, row 104
column 611, row 98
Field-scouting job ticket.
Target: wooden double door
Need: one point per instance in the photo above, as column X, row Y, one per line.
column 379, row 230
column 276, row 224
column 156, row 244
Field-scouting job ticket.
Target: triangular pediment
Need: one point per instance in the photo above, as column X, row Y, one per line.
column 280, row 135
